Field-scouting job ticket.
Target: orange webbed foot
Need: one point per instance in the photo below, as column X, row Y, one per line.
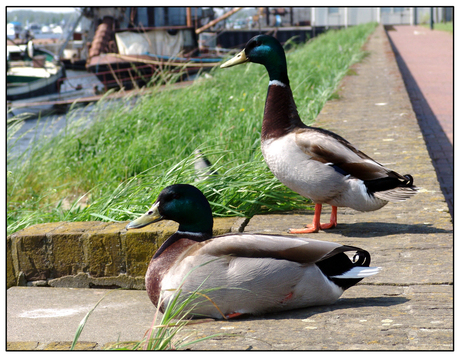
column 308, row 229
column 317, row 225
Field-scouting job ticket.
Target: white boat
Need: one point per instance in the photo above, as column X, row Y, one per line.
column 32, row 72
column 13, row 29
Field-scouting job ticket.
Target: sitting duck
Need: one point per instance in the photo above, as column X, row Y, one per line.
column 245, row 273
column 316, row 163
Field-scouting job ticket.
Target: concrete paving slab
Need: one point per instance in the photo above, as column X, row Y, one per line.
column 369, row 317
column 50, row 315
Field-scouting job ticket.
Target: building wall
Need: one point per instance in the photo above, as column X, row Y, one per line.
column 360, row 15
column 341, row 16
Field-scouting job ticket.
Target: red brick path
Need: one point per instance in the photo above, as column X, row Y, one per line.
column 425, row 59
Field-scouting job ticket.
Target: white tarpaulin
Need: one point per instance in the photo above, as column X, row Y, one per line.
column 152, row 42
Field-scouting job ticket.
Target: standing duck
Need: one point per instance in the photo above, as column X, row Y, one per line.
column 245, row 273
column 316, row 163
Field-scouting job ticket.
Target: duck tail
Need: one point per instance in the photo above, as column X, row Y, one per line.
column 358, row 273
column 346, row 272
column 360, row 269
column 394, row 188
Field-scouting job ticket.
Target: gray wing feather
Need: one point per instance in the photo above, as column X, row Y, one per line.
column 327, row 147
column 301, row 250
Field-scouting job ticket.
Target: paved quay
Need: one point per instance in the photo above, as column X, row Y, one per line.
column 407, row 306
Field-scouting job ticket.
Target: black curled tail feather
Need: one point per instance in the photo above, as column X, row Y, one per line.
column 364, row 258
column 340, row 263
column 389, row 183
column 394, row 188
column 410, row 181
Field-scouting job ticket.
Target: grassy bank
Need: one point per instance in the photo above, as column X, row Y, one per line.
column 119, row 164
column 442, row 26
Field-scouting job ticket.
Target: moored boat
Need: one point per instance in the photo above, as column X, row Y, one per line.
column 32, row 72
column 133, row 46
column 140, row 55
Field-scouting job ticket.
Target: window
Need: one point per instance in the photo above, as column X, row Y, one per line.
column 333, row 10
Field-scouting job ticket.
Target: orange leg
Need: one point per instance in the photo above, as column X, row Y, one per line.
column 233, row 315
column 317, row 225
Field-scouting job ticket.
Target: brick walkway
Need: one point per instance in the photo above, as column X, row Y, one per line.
column 425, row 59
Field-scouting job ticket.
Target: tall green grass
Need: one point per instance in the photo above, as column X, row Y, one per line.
column 133, row 149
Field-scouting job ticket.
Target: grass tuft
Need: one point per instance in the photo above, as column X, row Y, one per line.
column 163, row 334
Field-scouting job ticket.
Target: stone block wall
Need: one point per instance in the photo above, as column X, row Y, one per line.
column 90, row 254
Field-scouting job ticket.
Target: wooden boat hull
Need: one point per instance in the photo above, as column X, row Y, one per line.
column 129, row 71
column 38, row 87
column 114, row 72
column 32, row 72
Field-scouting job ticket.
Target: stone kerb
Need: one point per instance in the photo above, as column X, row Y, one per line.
column 89, row 254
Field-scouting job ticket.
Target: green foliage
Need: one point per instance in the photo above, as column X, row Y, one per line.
column 132, row 150
column 442, row 26
column 39, row 17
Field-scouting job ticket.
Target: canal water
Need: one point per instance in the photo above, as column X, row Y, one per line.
column 41, row 125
